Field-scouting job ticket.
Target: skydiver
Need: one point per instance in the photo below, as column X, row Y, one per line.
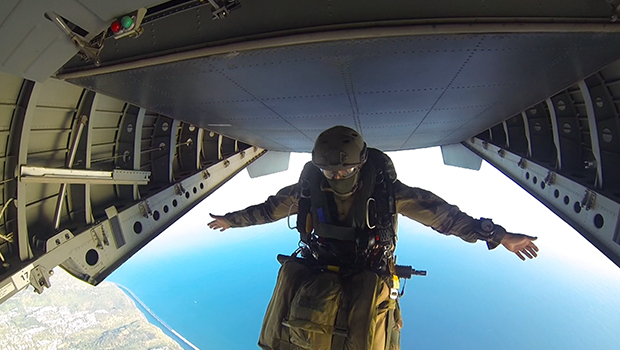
column 347, row 201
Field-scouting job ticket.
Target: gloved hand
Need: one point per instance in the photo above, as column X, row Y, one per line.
column 220, row 223
column 520, row 245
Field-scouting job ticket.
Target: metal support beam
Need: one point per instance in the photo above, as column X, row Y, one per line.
column 596, row 150
column 30, row 174
column 555, row 132
column 137, row 151
column 526, row 129
column 608, row 133
column 88, row 153
column 17, row 153
column 539, row 133
column 505, row 127
column 220, row 139
column 568, row 138
column 172, row 150
column 81, row 121
column 199, row 143
column 99, row 249
column 163, row 149
column 188, row 148
column 127, row 152
column 210, row 148
column 591, row 213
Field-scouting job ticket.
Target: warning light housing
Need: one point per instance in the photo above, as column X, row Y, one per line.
column 129, row 24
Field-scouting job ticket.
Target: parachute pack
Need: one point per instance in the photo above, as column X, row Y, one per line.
column 316, row 308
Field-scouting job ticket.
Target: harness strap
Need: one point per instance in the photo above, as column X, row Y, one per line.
column 286, row 334
column 337, row 232
column 342, row 321
column 390, row 326
column 302, row 218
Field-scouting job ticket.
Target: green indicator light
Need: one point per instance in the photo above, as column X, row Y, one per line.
column 127, row 22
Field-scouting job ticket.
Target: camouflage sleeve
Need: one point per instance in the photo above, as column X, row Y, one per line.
column 430, row 210
column 275, row 208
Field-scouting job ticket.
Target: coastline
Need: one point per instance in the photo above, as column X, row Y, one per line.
column 155, row 320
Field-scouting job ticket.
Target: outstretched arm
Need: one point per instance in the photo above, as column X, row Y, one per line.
column 430, row 210
column 273, row 209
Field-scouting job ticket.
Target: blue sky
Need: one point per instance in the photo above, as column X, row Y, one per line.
column 213, row 287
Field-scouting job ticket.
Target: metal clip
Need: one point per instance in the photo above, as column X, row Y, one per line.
column 588, row 200
column 221, row 11
column 145, row 210
column 178, row 189
column 522, row 163
column 106, row 242
column 394, row 291
column 96, row 238
column 368, row 213
column 40, row 278
column 288, row 216
column 550, row 178
column 379, row 177
column 591, row 164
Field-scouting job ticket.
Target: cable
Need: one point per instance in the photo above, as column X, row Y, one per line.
column 6, row 205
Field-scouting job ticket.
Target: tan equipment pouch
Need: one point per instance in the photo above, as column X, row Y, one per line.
column 312, row 310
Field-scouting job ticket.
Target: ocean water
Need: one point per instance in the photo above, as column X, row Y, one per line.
column 214, row 292
column 214, row 296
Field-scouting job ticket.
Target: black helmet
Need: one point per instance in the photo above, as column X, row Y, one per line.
column 340, row 151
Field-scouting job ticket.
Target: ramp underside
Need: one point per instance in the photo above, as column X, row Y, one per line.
column 402, row 91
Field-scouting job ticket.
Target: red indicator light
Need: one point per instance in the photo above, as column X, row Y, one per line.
column 115, row 26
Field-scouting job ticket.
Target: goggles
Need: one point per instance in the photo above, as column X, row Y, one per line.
column 340, row 174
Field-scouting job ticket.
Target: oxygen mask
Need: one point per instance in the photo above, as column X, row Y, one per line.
column 343, row 188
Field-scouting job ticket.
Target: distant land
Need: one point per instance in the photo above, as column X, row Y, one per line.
column 75, row 315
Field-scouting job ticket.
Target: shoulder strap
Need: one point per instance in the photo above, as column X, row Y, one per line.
column 304, row 202
column 384, row 162
column 384, row 182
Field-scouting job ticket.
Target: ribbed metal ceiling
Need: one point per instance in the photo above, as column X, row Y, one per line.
column 400, row 91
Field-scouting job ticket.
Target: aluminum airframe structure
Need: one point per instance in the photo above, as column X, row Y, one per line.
column 109, row 141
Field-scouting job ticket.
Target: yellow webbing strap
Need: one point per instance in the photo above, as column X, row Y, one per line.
column 390, row 315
